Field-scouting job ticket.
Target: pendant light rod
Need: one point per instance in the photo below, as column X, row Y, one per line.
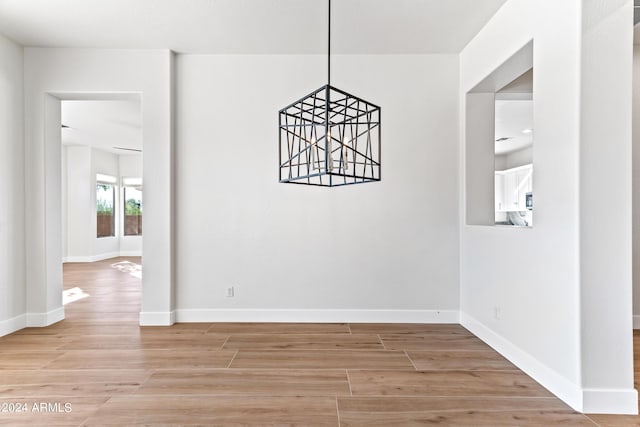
column 329, row 46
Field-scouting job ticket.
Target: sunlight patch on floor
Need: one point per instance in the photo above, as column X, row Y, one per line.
column 73, row 294
column 129, row 267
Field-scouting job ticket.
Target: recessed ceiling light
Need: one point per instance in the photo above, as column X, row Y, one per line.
column 527, row 130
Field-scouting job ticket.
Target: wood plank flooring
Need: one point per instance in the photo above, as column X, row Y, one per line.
column 112, row 372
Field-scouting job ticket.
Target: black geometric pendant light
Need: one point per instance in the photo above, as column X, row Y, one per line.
column 329, row 137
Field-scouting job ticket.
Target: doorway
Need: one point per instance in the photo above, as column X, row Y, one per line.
column 101, row 179
column 101, row 161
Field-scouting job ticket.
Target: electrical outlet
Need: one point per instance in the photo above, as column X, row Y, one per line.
column 230, row 292
column 497, row 312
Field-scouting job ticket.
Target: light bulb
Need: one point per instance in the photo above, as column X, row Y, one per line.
column 329, row 153
column 345, row 153
column 312, row 158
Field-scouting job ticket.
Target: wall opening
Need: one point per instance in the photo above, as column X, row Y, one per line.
column 499, row 145
column 513, row 161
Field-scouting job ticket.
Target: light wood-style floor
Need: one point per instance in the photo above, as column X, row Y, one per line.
column 110, row 371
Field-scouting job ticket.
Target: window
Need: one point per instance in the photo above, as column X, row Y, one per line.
column 132, row 206
column 105, row 203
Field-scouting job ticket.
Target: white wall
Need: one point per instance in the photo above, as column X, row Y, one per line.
column 636, row 185
column 12, row 249
column 403, row 233
column 383, row 251
column 81, row 165
column 79, row 212
column 535, row 276
column 131, row 167
column 65, row 201
column 605, row 173
column 54, row 74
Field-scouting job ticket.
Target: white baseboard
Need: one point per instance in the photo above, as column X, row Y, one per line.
column 100, row 257
column 157, row 318
column 610, row 401
column 130, row 253
column 636, row 322
column 12, row 325
column 320, row 316
column 566, row 390
column 45, row 319
column 104, row 256
column 76, row 259
column 592, row 401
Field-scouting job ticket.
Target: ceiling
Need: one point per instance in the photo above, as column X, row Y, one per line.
column 103, row 124
column 249, row 26
column 229, row 27
column 512, row 118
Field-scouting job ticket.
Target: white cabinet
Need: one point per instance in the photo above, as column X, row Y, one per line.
column 523, row 178
column 512, row 186
column 510, row 193
column 499, row 186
